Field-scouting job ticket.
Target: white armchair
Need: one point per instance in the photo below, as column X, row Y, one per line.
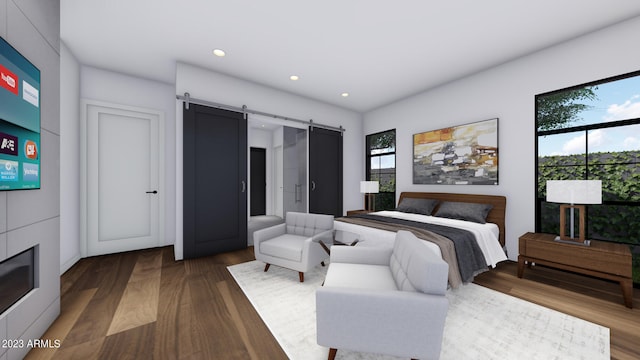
column 385, row 301
column 294, row 244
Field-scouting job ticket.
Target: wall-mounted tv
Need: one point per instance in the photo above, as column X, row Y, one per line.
column 19, row 121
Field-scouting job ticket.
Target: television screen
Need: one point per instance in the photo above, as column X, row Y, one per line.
column 19, row 121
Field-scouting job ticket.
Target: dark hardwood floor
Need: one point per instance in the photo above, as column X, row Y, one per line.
column 197, row 310
column 145, row 305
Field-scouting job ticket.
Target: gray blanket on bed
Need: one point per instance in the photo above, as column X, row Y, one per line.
column 468, row 255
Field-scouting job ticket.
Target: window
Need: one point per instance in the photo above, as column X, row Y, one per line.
column 590, row 132
column 381, row 166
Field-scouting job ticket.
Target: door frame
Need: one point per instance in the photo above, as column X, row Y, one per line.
column 84, row 105
column 263, row 152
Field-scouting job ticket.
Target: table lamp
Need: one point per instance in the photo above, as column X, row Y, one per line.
column 575, row 193
column 370, row 188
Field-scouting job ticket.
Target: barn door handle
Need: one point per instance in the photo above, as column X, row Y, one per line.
column 313, row 185
column 152, row 192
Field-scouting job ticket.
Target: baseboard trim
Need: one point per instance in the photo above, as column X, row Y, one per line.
column 69, row 263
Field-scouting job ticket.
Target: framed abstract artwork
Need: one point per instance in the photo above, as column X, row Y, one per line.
column 458, row 155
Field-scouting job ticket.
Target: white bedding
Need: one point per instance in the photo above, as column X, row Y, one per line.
column 486, row 234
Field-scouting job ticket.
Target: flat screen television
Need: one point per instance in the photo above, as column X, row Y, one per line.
column 19, row 121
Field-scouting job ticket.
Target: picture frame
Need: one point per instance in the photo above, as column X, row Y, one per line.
column 457, row 155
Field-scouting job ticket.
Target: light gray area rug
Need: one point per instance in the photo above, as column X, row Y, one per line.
column 481, row 323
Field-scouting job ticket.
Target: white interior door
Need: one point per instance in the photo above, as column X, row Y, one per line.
column 123, row 192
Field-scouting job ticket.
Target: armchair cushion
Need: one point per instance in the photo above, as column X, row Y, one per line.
column 361, row 276
column 285, row 246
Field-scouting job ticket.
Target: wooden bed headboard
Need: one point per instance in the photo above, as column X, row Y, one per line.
column 496, row 215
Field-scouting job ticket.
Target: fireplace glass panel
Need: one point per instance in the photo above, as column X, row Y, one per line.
column 16, row 278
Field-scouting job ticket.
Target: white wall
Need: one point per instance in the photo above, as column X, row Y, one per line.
column 32, row 217
column 108, row 86
column 507, row 92
column 84, row 82
column 211, row 86
column 69, row 159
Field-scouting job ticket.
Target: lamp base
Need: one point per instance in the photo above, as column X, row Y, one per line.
column 371, row 202
column 573, row 242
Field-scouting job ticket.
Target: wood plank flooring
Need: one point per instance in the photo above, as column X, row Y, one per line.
column 145, row 305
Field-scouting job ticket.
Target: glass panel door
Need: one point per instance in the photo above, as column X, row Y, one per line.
column 295, row 169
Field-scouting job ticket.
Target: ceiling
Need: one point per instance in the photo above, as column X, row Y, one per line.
column 376, row 51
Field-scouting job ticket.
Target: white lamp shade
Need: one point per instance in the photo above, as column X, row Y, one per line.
column 369, row 187
column 574, row 191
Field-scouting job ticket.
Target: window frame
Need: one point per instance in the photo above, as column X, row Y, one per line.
column 586, row 165
column 369, row 156
column 591, row 162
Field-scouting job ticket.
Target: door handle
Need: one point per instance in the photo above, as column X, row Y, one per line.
column 152, row 192
column 313, row 185
column 244, row 186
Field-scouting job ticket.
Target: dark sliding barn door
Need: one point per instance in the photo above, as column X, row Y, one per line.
column 258, row 183
column 325, row 171
column 215, row 181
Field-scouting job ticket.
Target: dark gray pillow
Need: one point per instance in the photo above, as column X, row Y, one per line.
column 464, row 211
column 417, row 206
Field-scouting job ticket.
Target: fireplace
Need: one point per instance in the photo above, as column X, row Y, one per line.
column 16, row 277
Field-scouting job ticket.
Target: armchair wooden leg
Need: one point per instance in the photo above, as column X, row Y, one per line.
column 301, row 274
column 266, row 267
column 332, row 354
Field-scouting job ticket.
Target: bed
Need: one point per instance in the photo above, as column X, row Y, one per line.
column 466, row 230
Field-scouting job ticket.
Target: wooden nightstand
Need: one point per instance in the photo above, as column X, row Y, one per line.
column 354, row 212
column 602, row 259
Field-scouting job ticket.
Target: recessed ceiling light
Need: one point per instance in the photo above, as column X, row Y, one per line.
column 219, row 52
column 344, row 94
column 294, row 77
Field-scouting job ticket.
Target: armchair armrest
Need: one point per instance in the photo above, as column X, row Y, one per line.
column 380, row 321
column 268, row 233
column 361, row 255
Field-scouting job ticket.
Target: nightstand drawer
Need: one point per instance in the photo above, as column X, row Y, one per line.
column 602, row 259
column 580, row 256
